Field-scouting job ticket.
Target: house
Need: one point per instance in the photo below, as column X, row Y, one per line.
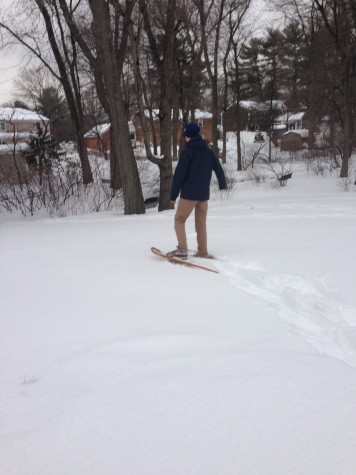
column 202, row 118
column 205, row 121
column 98, row 138
column 291, row 130
column 293, row 120
column 294, row 140
column 18, row 126
column 136, row 120
column 252, row 115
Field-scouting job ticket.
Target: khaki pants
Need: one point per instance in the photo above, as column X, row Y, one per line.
column 184, row 209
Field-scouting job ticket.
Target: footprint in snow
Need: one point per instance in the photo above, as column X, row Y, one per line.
column 307, row 304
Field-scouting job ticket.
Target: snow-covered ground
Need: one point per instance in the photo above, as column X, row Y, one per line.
column 114, row 361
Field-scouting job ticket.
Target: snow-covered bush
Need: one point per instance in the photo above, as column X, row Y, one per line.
column 281, row 168
column 323, row 161
column 347, row 184
column 58, row 189
column 257, row 176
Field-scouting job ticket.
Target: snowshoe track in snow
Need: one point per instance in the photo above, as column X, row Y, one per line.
column 314, row 311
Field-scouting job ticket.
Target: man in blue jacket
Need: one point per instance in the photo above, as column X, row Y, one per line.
column 192, row 181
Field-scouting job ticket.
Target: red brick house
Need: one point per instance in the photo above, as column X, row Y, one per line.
column 205, row 121
column 202, row 118
column 98, row 138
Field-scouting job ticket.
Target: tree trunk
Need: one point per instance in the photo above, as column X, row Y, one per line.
column 215, row 113
column 348, row 118
column 112, row 68
column 224, row 143
column 238, row 137
column 84, row 160
column 166, row 151
column 115, row 177
column 163, row 61
column 175, row 132
column 165, row 179
column 239, row 154
column 312, row 129
column 131, row 186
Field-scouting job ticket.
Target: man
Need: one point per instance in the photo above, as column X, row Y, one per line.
column 192, row 180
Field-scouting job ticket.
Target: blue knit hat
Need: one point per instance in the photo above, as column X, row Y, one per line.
column 191, row 130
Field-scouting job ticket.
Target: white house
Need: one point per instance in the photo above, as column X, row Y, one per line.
column 17, row 126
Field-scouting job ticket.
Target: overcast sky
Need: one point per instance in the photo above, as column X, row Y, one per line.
column 10, row 61
column 9, row 68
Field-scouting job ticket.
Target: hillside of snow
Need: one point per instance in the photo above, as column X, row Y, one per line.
column 114, row 361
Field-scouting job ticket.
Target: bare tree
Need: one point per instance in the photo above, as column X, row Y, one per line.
column 339, row 17
column 109, row 30
column 161, row 45
column 211, row 16
column 63, row 50
column 331, row 65
column 236, row 40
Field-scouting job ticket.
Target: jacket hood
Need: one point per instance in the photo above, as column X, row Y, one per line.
column 197, row 143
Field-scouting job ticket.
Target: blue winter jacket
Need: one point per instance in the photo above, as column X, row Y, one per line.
column 193, row 172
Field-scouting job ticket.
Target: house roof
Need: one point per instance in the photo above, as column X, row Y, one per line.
column 17, row 114
column 277, row 105
column 296, row 116
column 17, row 135
column 199, row 114
column 100, row 129
column 253, row 105
column 97, row 130
column 290, row 118
column 304, row 133
column 9, row 148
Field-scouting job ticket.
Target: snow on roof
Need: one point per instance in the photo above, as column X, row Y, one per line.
column 9, row 148
column 17, row 114
column 302, row 132
column 199, row 114
column 100, row 129
column 290, row 118
column 11, row 135
column 253, row 105
column 296, row 116
column 277, row 104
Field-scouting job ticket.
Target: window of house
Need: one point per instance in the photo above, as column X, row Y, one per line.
column 2, row 126
column 292, row 126
column 200, row 123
